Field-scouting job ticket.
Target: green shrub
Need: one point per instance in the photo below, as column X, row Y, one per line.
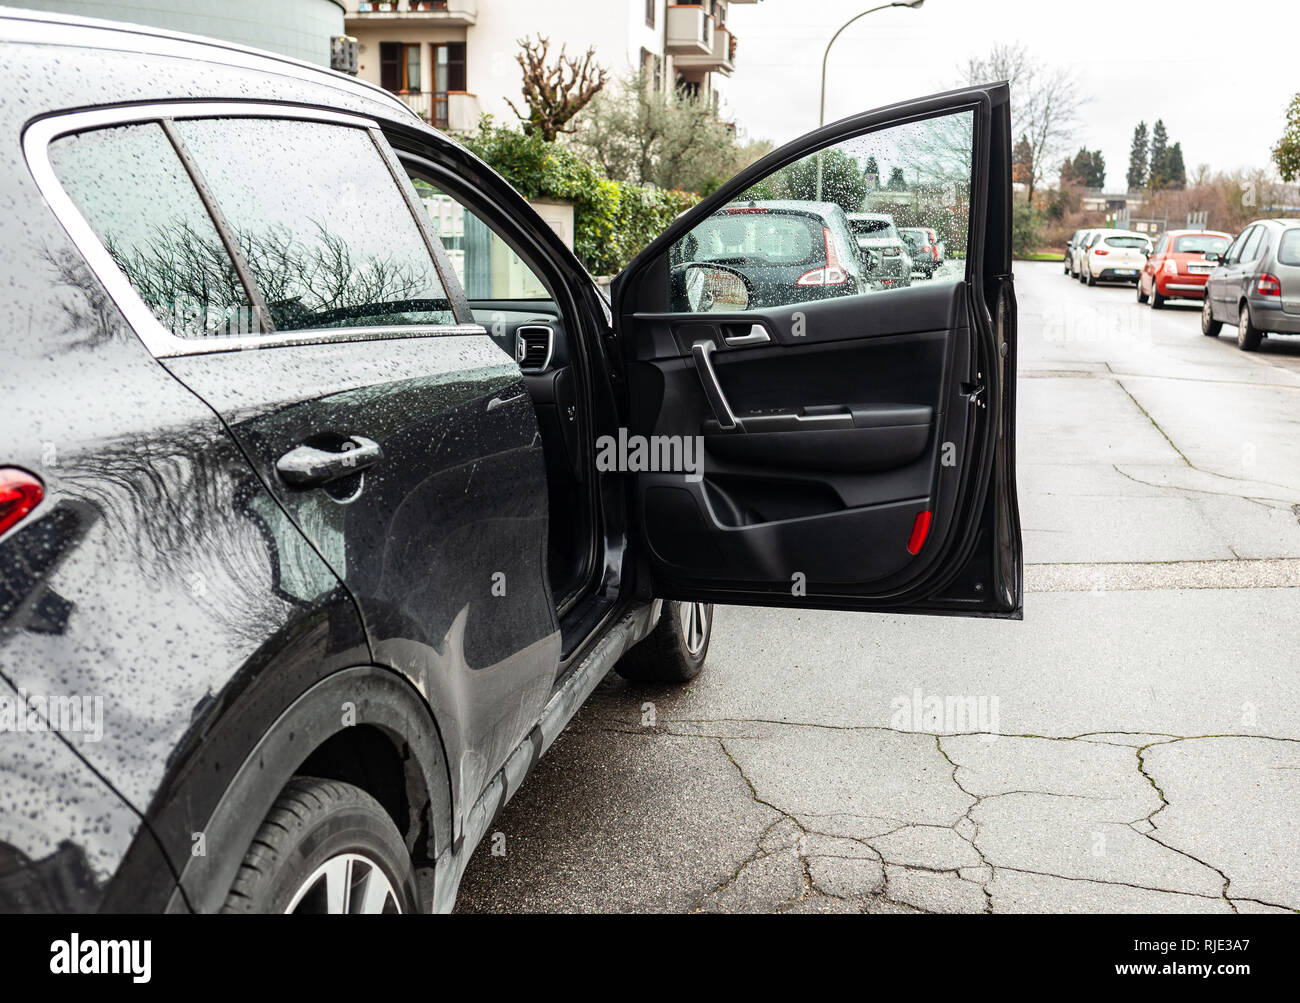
column 612, row 221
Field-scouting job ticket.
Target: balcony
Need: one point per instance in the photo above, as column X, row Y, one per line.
column 720, row 59
column 690, row 31
column 430, row 12
column 454, row 111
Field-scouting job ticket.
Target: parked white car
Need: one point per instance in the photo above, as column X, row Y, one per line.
column 1077, row 251
column 1114, row 256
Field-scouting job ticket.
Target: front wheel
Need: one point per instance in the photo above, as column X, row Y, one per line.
column 325, row 847
column 675, row 650
column 1248, row 335
column 1209, row 326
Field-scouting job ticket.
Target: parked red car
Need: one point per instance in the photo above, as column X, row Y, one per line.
column 1177, row 269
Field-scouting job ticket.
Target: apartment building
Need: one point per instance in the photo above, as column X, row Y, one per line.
column 453, row 60
column 303, row 29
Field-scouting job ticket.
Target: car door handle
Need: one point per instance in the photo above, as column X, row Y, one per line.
column 307, row 466
column 701, row 351
column 757, row 336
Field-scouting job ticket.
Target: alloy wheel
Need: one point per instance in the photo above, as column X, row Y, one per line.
column 695, row 625
column 346, row 884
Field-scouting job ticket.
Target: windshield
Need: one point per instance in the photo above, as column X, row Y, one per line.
column 1200, row 243
column 754, row 236
column 1288, row 248
column 873, row 228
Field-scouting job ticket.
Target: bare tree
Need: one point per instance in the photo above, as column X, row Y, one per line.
column 555, row 92
column 1045, row 102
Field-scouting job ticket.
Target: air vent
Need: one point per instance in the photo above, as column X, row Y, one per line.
column 533, row 346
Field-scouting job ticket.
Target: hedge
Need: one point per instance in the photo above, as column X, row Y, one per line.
column 612, row 220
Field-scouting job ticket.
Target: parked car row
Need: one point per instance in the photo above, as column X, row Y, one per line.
column 1251, row 281
column 793, row 250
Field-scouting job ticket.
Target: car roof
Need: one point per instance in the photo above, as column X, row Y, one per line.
column 42, row 28
column 825, row 211
column 1196, row 233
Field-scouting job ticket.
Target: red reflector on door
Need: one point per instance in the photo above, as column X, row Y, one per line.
column 920, row 529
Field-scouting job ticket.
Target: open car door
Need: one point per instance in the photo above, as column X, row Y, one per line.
column 813, row 420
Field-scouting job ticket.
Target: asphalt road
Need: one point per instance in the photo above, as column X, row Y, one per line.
column 1132, row 745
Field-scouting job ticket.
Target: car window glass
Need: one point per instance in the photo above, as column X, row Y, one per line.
column 1199, row 243
column 327, row 233
column 828, row 225
column 1250, row 249
column 488, row 268
column 1234, row 252
column 1288, row 248
column 1129, row 242
column 1161, row 245
column 134, row 191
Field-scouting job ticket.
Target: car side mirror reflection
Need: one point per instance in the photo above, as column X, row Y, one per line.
column 708, row 288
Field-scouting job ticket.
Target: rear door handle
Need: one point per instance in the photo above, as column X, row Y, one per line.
column 307, row 466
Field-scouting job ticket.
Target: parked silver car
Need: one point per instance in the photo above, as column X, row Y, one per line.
column 1256, row 283
column 875, row 231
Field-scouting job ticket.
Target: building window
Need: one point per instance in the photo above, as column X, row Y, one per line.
column 399, row 67
column 448, row 75
column 650, row 13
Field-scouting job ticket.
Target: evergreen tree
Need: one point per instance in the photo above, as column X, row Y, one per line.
column 872, row 168
column 1175, row 169
column 1137, row 158
column 1158, row 171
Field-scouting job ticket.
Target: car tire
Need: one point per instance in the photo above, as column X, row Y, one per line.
column 1157, row 301
column 1209, row 326
column 675, row 650
column 1090, row 278
column 1142, row 297
column 325, row 846
column 1248, row 335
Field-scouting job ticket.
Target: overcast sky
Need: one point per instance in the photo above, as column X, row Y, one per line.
column 1214, row 71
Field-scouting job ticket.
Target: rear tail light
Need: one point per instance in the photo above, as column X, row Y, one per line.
column 1100, row 250
column 1171, row 266
column 1269, row 285
column 834, row 274
column 20, row 492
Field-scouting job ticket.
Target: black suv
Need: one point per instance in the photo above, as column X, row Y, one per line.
column 331, row 485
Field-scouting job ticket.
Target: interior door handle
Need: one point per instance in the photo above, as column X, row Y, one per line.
column 757, row 336
column 307, row 466
column 701, row 351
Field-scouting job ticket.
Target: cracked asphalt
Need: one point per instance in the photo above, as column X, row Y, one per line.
column 1133, row 745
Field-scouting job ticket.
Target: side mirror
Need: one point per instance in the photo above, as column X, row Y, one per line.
column 870, row 259
column 702, row 287
column 1214, row 256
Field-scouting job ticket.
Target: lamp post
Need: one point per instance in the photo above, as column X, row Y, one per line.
column 821, row 111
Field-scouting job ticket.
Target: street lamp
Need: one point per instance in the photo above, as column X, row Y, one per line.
column 821, row 112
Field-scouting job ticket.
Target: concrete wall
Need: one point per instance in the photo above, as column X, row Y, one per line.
column 297, row 28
